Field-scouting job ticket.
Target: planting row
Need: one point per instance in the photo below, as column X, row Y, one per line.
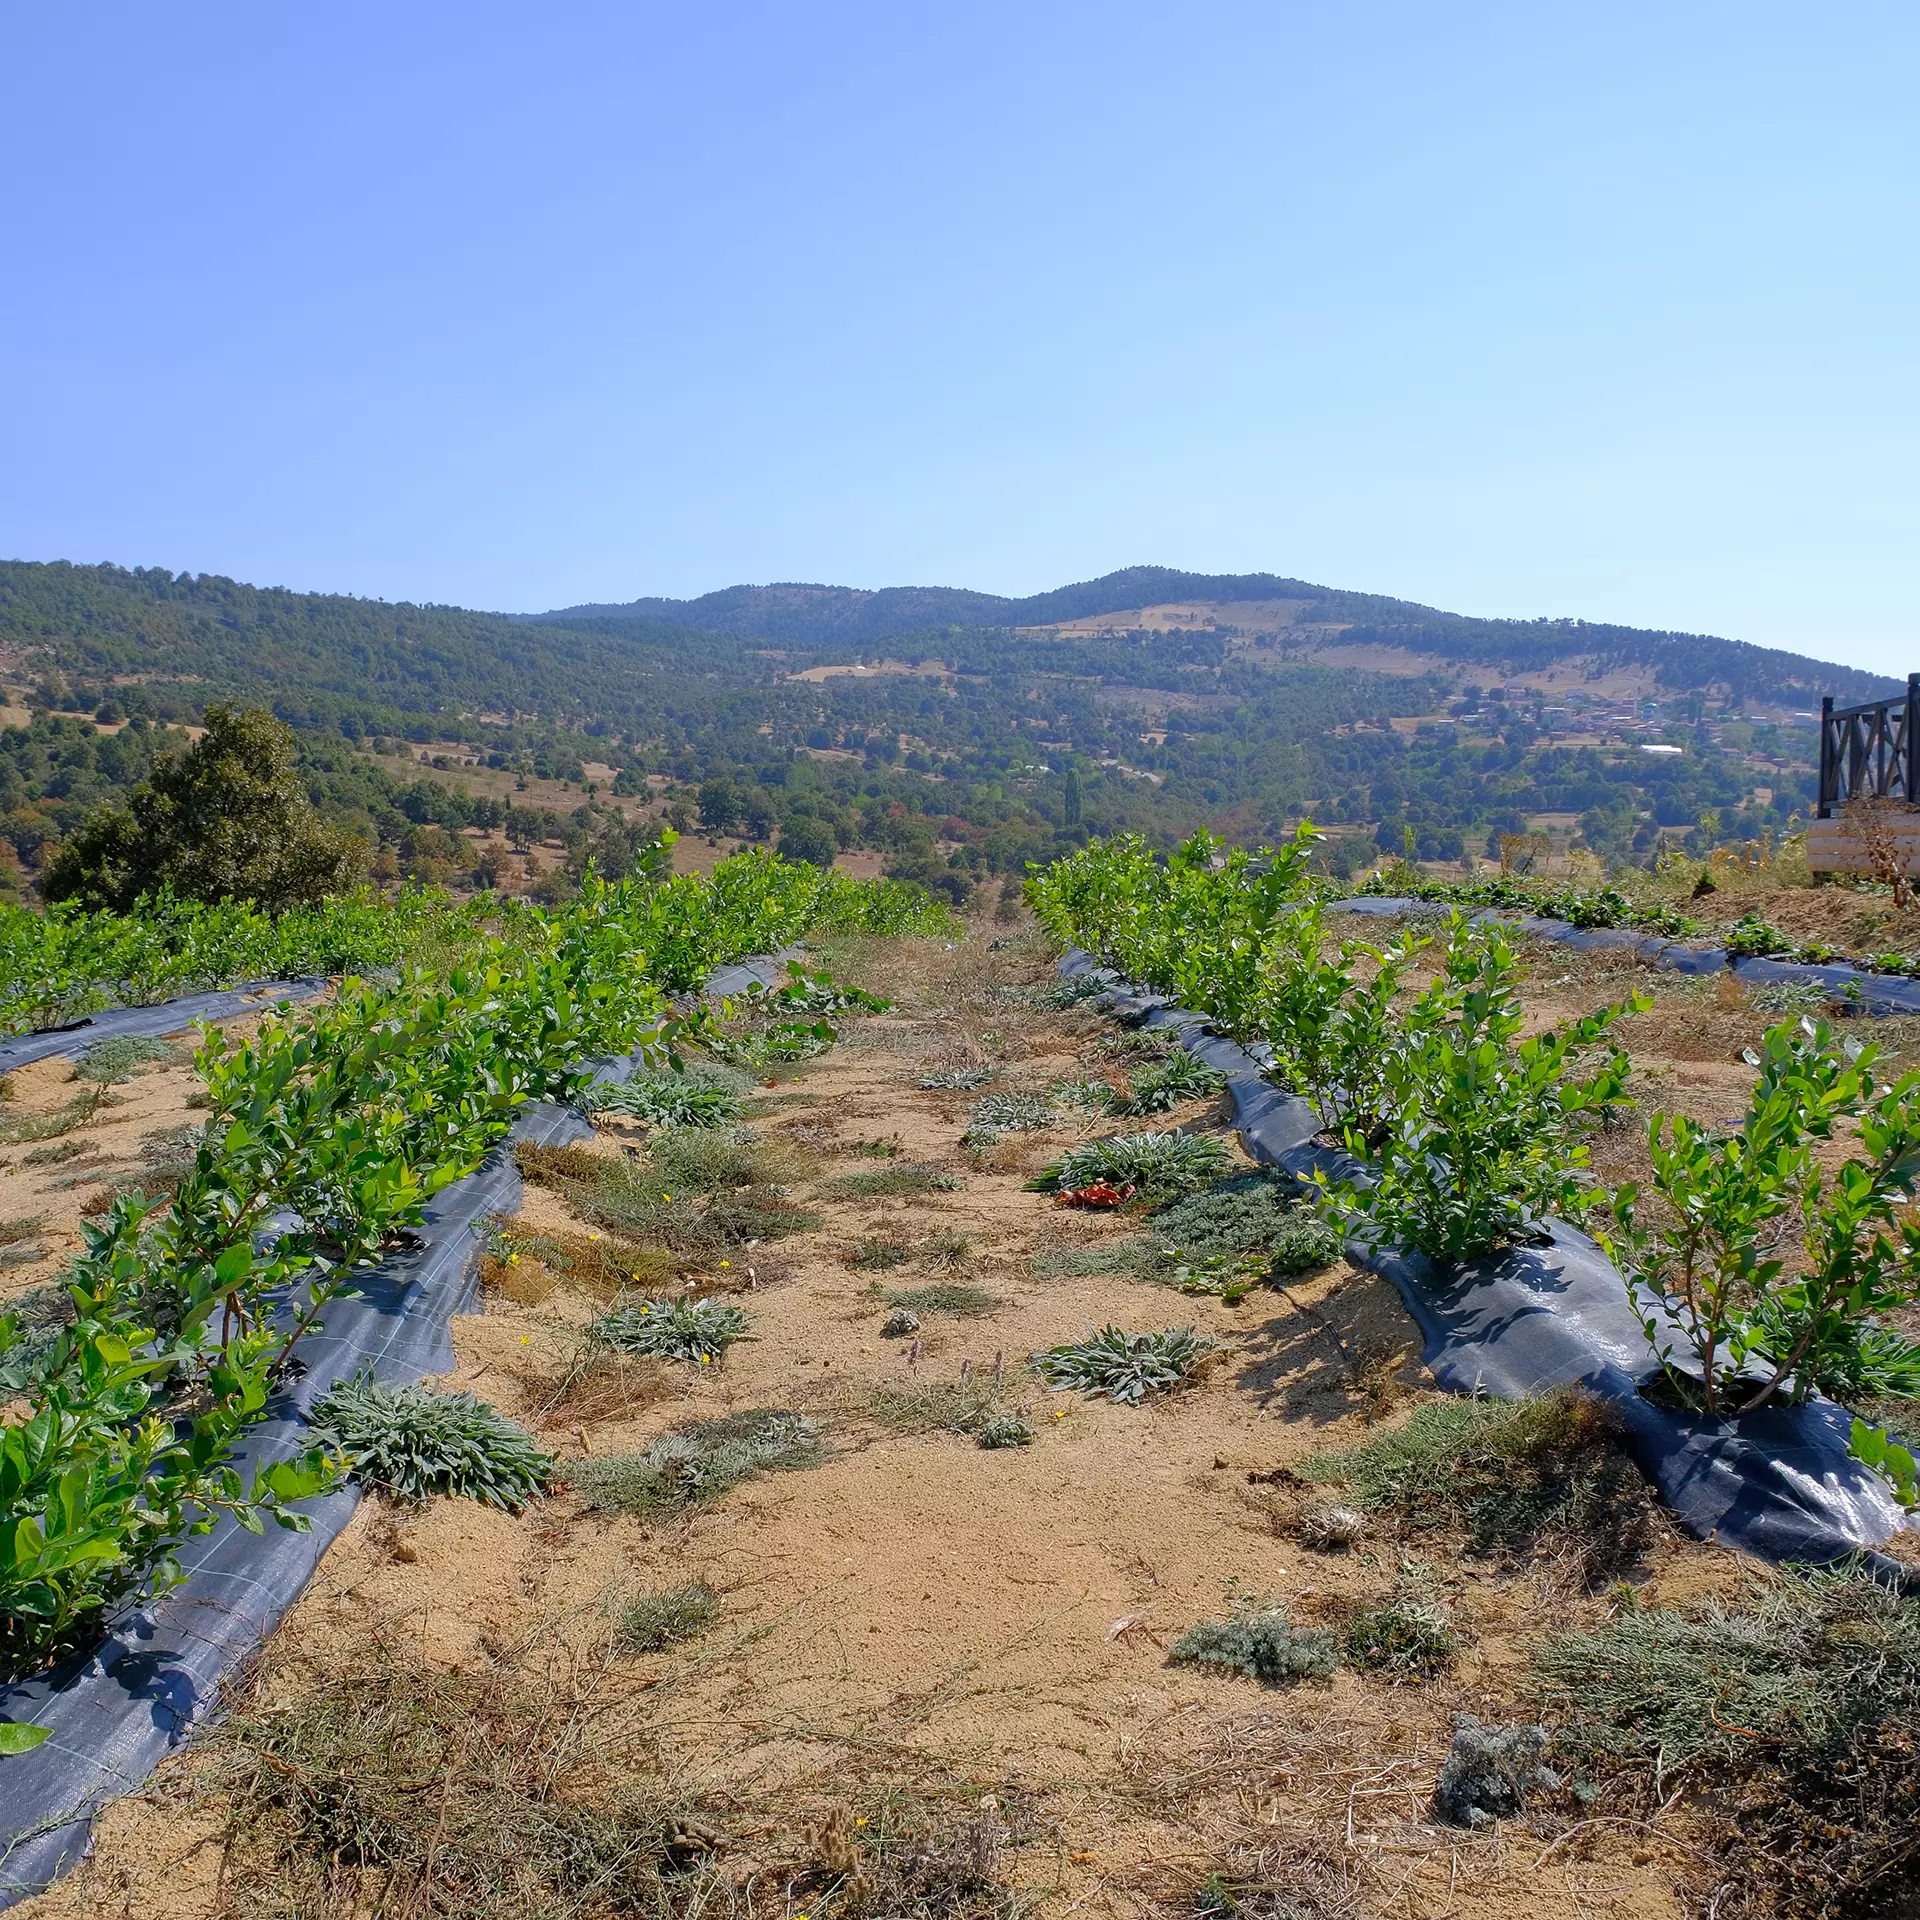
column 66, row 962
column 326, row 1135
column 1463, row 1137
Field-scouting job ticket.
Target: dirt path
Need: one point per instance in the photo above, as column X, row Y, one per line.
column 984, row 1627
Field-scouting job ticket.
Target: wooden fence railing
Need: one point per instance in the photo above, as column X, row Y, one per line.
column 1870, row 752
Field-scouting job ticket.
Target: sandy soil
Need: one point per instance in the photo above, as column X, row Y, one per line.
column 919, row 1606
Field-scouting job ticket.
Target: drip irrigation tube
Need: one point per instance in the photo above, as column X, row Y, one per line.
column 1779, row 1483
column 117, row 1713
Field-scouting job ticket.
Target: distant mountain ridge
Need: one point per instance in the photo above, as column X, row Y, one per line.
column 816, row 616
column 791, row 610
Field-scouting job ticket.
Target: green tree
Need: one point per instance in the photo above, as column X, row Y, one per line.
column 806, row 838
column 226, row 819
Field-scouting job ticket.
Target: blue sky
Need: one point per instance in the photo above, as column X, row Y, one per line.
column 1599, row 310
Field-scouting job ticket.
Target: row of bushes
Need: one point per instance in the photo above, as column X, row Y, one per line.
column 349, row 1117
column 68, row 961
column 1469, row 1137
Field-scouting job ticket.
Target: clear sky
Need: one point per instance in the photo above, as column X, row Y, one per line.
column 1602, row 309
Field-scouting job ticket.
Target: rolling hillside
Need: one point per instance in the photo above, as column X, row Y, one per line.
column 956, row 733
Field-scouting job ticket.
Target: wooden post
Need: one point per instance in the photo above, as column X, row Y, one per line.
column 1827, row 765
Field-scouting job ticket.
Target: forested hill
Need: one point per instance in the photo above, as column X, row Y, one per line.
column 1241, row 605
column 958, row 733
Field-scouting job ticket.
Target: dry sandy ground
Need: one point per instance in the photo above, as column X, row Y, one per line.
column 919, row 1606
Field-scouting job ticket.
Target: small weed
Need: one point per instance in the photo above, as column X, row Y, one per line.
column 1181, row 1077
column 694, row 1099
column 947, row 1296
column 1158, row 1166
column 1260, row 1641
column 652, row 1622
column 412, row 1443
column 1245, row 1213
column 1089, row 1096
column 1013, row 1113
column 901, row 1322
column 698, row 1462
column 957, row 1079
column 1810, row 1659
column 975, row 1409
column 946, row 1250
column 698, row 1331
column 25, row 1228
column 884, row 1182
column 50, row 1126
column 1410, row 1636
column 1004, row 1428
column 1055, row 997
column 876, row 1253
column 1124, row 1366
column 113, row 1062
column 387, row 1785
column 1139, row 1256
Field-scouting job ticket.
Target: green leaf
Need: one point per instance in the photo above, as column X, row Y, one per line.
column 16, row 1736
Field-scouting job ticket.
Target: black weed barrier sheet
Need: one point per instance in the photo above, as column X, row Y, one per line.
column 149, row 1023
column 1854, row 989
column 1778, row 1483
column 116, row 1714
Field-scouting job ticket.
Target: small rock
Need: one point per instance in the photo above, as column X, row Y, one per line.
column 1326, row 1524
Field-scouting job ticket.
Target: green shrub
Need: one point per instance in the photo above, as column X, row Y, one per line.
column 1483, row 1130
column 1753, row 1324
column 1155, row 1165
column 1260, row 1641
column 1124, row 1366
column 652, row 1622
column 698, row 1462
column 226, row 818
column 412, row 1443
column 672, row 1329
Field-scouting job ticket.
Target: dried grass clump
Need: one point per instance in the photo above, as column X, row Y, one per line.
column 652, row 1622
column 390, row 1787
column 885, row 1182
column 1548, row 1475
column 1795, row 1716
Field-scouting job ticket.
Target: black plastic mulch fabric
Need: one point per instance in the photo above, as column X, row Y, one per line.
column 1854, row 990
column 116, row 1714
column 149, row 1023
column 1778, row 1483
